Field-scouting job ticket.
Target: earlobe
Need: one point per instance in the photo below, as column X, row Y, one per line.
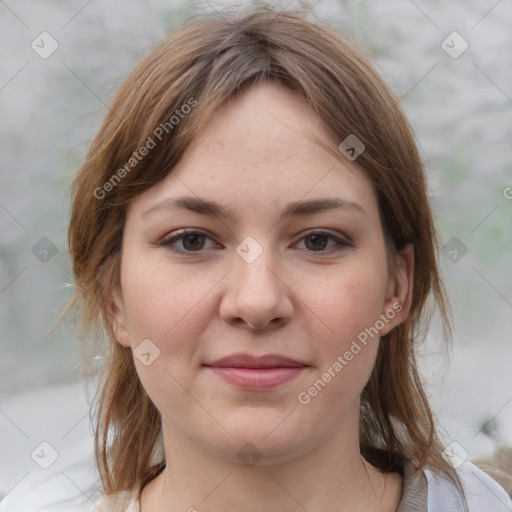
column 399, row 292
column 116, row 318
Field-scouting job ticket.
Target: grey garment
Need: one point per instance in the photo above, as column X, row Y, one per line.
column 414, row 491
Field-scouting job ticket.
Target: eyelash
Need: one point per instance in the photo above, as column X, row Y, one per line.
column 168, row 242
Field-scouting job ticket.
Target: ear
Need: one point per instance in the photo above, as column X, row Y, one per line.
column 117, row 319
column 399, row 290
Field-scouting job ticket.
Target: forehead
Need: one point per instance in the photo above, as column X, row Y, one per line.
column 258, row 147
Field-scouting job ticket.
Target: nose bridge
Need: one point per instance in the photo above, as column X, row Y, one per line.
column 255, row 294
column 253, row 265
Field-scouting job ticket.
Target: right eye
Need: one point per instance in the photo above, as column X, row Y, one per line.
column 190, row 240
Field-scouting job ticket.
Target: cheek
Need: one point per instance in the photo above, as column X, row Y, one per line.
column 348, row 314
column 165, row 307
column 161, row 301
column 171, row 309
column 351, row 300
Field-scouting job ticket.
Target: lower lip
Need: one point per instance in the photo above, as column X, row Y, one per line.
column 257, row 378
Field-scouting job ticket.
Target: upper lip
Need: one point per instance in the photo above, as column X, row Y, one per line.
column 250, row 361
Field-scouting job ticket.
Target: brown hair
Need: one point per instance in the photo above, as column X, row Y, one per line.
column 205, row 62
column 498, row 465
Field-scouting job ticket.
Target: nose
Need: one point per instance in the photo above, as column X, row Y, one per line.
column 256, row 296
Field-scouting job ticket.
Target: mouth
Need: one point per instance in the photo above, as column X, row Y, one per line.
column 256, row 373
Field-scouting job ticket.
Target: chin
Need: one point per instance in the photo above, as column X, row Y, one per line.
column 261, row 446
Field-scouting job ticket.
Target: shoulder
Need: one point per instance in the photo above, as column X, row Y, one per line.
column 482, row 492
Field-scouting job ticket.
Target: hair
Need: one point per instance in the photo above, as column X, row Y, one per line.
column 498, row 465
column 204, row 63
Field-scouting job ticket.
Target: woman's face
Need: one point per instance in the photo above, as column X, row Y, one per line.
column 274, row 267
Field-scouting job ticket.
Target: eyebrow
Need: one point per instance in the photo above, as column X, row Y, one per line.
column 295, row 208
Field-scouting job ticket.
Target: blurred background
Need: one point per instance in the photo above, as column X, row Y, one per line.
column 60, row 65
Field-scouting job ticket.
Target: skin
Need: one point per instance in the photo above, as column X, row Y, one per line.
column 300, row 297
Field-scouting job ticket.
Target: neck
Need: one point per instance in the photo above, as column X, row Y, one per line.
column 330, row 477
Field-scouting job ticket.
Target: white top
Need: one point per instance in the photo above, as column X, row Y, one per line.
column 482, row 492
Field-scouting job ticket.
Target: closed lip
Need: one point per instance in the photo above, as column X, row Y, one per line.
column 250, row 361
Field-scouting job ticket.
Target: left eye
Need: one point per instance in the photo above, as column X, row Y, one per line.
column 194, row 241
column 320, row 239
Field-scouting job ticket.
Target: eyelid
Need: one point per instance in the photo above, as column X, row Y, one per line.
column 342, row 241
column 175, row 236
column 321, row 231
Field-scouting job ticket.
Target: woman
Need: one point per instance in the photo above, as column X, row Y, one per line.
column 252, row 232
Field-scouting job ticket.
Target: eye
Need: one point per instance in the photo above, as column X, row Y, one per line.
column 194, row 241
column 317, row 241
column 191, row 241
